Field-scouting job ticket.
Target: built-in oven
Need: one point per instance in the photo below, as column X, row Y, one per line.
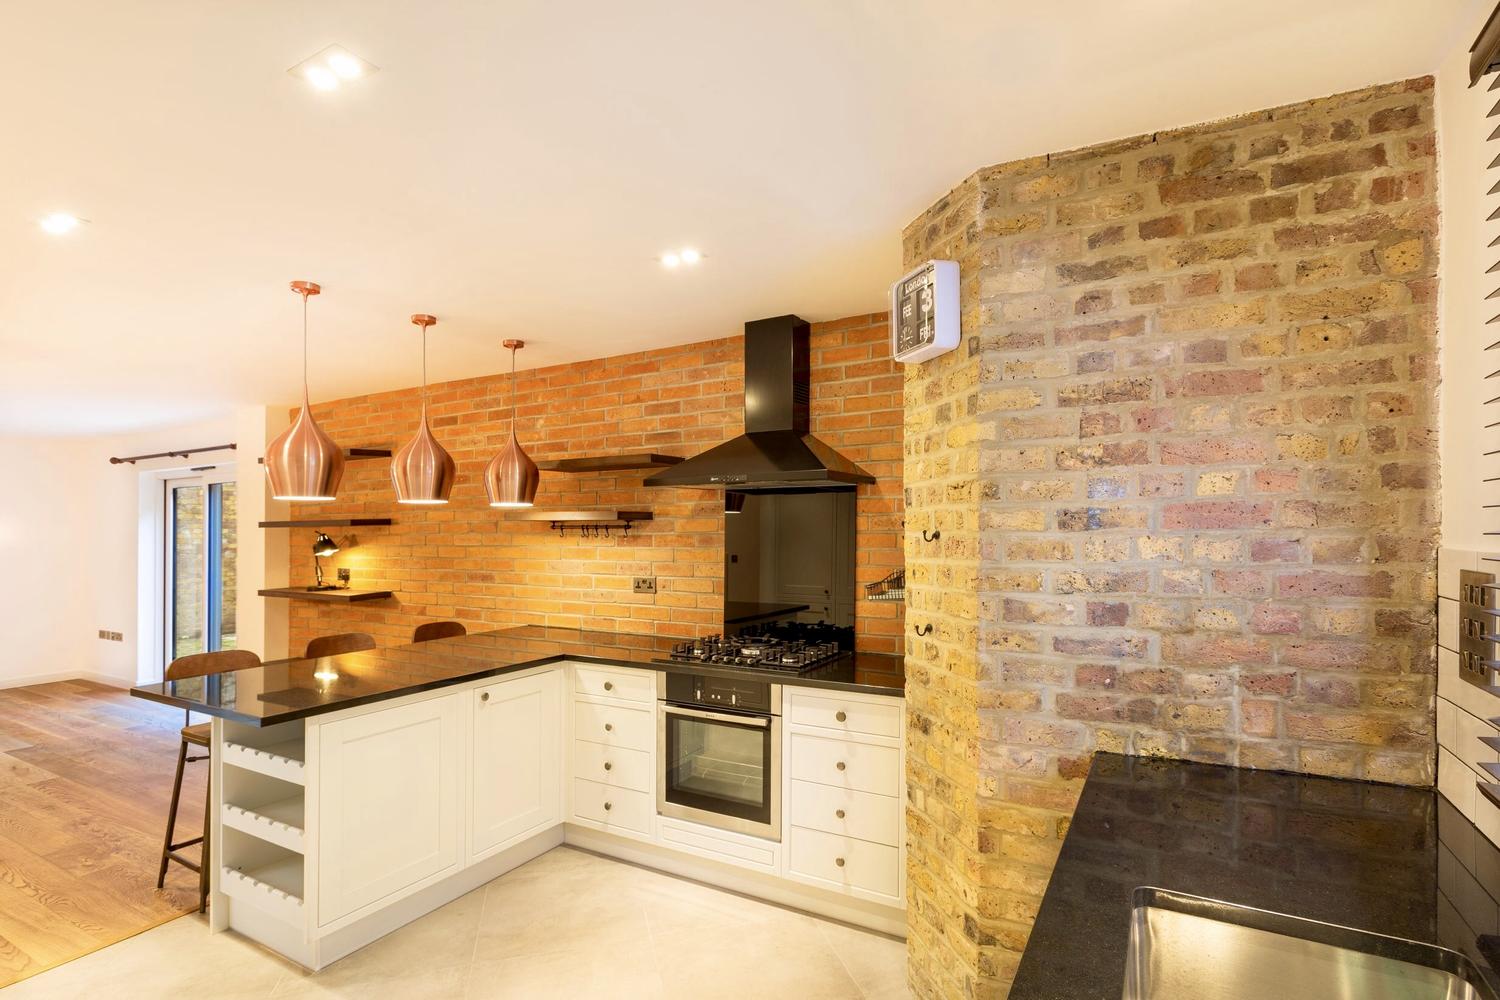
column 718, row 741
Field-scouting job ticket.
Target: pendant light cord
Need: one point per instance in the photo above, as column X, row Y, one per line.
column 424, row 370
column 512, row 392
column 304, row 347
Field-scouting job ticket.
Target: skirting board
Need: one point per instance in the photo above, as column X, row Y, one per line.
column 809, row 899
column 65, row 675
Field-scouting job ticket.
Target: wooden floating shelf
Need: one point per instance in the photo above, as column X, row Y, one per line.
column 584, row 516
column 609, row 463
column 332, row 596
column 586, row 521
column 356, row 454
column 329, row 522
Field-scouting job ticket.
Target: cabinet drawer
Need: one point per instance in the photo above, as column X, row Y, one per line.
column 612, row 765
column 848, row 715
column 843, row 764
column 614, row 725
column 862, row 815
column 845, row 862
column 616, row 807
column 629, row 685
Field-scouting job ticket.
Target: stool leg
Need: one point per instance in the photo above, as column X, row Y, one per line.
column 208, row 801
column 166, row 846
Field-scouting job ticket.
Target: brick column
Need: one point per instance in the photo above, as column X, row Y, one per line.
column 1184, row 463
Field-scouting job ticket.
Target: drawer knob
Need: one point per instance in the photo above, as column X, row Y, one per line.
column 841, row 716
column 840, row 765
column 839, row 862
column 609, row 685
column 608, row 766
column 609, row 727
column 608, row 806
column 485, row 696
column 839, row 813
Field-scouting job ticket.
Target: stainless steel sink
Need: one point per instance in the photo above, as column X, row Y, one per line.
column 1185, row 946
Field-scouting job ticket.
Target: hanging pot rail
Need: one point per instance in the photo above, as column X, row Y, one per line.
column 184, row 453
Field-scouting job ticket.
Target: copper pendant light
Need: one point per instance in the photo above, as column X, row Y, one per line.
column 511, row 478
column 304, row 464
column 423, row 471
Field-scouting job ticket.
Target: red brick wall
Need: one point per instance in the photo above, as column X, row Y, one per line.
column 478, row 565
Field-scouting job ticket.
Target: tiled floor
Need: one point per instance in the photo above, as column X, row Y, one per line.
column 567, row 925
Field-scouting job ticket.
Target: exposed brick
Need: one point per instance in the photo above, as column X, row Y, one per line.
column 1176, row 190
column 1161, row 228
column 1320, row 166
column 1208, row 532
column 1217, row 514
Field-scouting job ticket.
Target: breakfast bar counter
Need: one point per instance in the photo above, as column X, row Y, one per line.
column 286, row 690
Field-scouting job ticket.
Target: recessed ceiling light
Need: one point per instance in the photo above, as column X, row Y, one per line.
column 676, row 258
column 329, row 68
column 345, row 65
column 321, row 77
column 59, row 223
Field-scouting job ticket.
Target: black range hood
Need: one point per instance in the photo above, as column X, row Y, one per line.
column 776, row 453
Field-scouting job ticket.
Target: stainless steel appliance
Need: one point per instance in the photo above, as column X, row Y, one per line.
column 719, row 743
column 762, row 651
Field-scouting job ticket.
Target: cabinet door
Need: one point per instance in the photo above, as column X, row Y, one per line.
column 388, row 803
column 517, row 767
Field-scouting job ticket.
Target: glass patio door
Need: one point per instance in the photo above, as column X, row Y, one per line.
column 201, row 533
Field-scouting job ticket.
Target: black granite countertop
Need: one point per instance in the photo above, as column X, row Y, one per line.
column 285, row 690
column 1393, row 860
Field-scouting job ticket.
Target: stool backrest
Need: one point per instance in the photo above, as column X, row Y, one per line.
column 343, row 642
column 217, row 662
column 438, row 630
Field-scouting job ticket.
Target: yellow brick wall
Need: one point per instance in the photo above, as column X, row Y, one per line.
column 1187, row 449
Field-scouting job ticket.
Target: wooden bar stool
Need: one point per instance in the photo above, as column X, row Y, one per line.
column 201, row 735
column 438, row 630
column 333, row 645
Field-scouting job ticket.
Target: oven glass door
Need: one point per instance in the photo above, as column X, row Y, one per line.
column 720, row 769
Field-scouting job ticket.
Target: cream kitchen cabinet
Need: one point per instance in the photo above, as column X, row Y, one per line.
column 337, row 828
column 613, row 760
column 515, row 768
column 389, row 803
column 845, row 826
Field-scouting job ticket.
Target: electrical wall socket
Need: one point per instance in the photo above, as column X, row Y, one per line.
column 643, row 584
column 111, row 636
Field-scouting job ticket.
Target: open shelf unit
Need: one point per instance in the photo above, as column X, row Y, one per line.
column 331, row 596
column 586, row 521
column 262, row 811
column 356, row 454
column 609, row 463
column 283, row 761
column 329, row 522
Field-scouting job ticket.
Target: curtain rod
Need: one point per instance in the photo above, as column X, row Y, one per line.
column 184, row 453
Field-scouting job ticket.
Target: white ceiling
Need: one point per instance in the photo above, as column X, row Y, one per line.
column 515, row 167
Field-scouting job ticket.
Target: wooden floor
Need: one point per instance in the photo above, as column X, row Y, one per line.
column 85, row 778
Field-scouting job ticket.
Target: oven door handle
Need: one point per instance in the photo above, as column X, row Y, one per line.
column 759, row 722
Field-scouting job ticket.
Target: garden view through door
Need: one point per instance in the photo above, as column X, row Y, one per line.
column 201, row 538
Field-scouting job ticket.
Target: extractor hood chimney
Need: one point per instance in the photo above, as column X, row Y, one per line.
column 776, row 452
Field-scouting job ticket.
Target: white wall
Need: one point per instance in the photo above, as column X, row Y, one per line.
column 44, row 560
column 76, row 533
column 1463, row 156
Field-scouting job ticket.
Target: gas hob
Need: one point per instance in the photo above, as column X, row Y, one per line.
column 761, row 652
